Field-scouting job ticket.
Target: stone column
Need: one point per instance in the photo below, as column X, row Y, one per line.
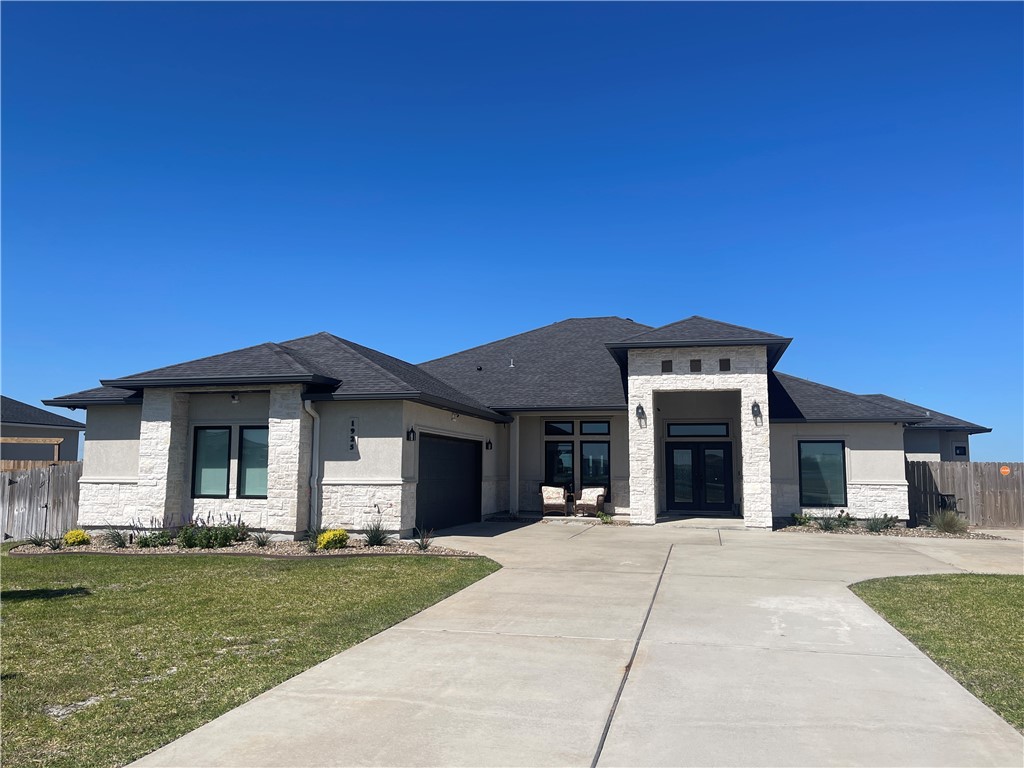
column 643, row 487
column 288, row 463
column 163, row 456
column 757, row 457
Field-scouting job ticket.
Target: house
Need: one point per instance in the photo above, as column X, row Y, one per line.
column 35, row 434
column 940, row 437
column 688, row 418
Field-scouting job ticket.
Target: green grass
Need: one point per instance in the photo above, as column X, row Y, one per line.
column 971, row 625
column 168, row 643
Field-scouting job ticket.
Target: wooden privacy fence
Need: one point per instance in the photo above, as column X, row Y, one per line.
column 977, row 489
column 40, row 501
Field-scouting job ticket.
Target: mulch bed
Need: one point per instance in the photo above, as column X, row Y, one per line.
column 285, row 549
column 914, row 533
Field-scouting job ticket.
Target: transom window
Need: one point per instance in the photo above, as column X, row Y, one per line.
column 698, row 430
column 594, row 428
column 558, row 428
column 822, row 473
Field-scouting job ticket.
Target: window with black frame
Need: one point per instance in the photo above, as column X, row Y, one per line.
column 558, row 464
column 822, row 473
column 595, row 466
column 253, row 450
column 211, row 462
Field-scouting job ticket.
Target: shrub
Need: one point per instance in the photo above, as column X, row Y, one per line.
column 825, row 522
column 424, row 539
column 376, row 534
column 335, row 539
column 239, row 531
column 883, row 523
column 38, row 539
column 844, row 521
column 76, row 537
column 604, row 517
column 801, row 518
column 260, row 539
column 114, row 537
column 55, row 542
column 155, row 539
column 312, row 534
column 948, row 521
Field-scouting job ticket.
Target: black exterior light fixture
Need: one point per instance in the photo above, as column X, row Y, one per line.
column 234, row 398
column 488, row 445
column 755, row 411
column 641, row 415
column 411, row 435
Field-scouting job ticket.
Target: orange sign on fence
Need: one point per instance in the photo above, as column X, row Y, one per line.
column 1004, row 470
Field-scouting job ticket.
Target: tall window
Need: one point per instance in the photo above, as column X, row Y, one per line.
column 252, row 462
column 822, row 473
column 211, row 460
column 595, row 465
column 558, row 465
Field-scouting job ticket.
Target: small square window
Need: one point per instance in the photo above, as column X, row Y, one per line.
column 666, row 366
column 959, row 450
column 725, row 364
column 695, row 366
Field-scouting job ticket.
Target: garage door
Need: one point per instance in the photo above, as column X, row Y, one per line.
column 448, row 491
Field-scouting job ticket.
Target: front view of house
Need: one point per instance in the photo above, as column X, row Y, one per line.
column 691, row 418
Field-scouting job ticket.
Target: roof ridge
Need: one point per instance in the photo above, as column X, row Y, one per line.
column 290, row 356
column 533, row 330
column 351, row 347
column 733, row 325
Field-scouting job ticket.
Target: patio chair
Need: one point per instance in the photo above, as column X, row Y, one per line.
column 590, row 501
column 553, row 499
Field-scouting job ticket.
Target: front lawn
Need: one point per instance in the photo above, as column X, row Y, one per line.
column 104, row 658
column 971, row 625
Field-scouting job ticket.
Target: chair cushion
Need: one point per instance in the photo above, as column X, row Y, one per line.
column 552, row 495
column 590, row 495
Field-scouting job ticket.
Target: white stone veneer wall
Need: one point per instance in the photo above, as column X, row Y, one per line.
column 353, row 506
column 163, row 452
column 749, row 376
column 864, row 500
column 109, row 503
column 289, row 450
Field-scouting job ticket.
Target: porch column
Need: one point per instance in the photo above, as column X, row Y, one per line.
column 163, row 455
column 289, row 455
column 643, row 489
column 513, row 467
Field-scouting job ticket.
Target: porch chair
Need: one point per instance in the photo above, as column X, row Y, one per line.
column 590, row 501
column 553, row 500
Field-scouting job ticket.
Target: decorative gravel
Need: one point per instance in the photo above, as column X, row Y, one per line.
column 354, row 548
column 914, row 533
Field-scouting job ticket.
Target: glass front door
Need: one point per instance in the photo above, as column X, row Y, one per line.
column 698, row 477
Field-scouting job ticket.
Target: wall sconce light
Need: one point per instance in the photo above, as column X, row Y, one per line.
column 455, row 416
column 755, row 411
column 641, row 415
column 411, row 435
column 234, row 399
column 488, row 445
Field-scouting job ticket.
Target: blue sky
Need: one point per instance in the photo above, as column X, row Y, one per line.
column 180, row 179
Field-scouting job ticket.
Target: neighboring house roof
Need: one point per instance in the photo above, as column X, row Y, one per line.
column 16, row 412
column 794, row 399
column 564, row 365
column 334, row 368
column 935, row 420
column 700, row 331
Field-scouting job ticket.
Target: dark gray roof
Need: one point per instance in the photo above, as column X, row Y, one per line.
column 699, row 331
column 334, row 369
column 793, row 399
column 16, row 412
column 935, row 420
column 564, row 365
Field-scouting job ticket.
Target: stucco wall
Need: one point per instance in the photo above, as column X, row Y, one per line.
column 68, row 450
column 922, row 445
column 751, row 445
column 875, row 470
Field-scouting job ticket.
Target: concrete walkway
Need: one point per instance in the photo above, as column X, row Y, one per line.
column 752, row 652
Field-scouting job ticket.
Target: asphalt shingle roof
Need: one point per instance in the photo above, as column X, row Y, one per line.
column 935, row 420
column 791, row 398
column 16, row 412
column 563, row 365
column 702, row 329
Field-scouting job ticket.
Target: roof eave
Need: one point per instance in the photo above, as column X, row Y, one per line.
column 416, row 397
column 75, row 425
column 880, row 420
column 776, row 347
column 87, row 402
column 218, row 381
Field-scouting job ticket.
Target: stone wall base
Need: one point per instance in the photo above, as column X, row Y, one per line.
column 354, row 507
column 864, row 500
column 103, row 504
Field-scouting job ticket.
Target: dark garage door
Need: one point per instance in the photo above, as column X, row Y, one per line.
column 448, row 491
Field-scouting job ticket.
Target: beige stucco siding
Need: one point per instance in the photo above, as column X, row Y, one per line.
column 378, row 450
column 112, row 442
column 875, row 469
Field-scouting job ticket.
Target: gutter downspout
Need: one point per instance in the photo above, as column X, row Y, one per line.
column 314, row 467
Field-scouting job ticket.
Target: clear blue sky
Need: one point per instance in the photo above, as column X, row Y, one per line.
column 181, row 179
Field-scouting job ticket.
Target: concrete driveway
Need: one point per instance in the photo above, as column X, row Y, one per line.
column 668, row 645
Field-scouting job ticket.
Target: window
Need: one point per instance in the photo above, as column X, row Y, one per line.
column 698, row 430
column 558, row 428
column 252, row 462
column 725, row 365
column 959, row 450
column 822, row 473
column 558, row 469
column 211, row 459
column 695, row 366
column 593, row 427
column 595, row 466
column 666, row 366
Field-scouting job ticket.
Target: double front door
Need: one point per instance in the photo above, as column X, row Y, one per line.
column 698, row 477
